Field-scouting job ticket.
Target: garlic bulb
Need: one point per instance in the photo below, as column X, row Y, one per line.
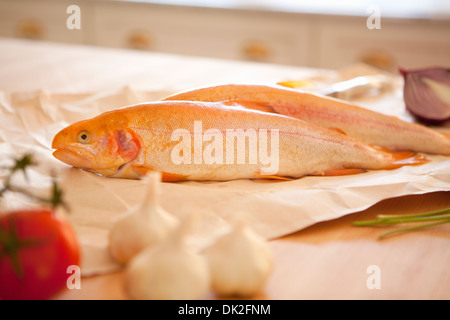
column 240, row 262
column 169, row 271
column 144, row 225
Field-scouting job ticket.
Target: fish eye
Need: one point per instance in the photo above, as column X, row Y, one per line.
column 84, row 137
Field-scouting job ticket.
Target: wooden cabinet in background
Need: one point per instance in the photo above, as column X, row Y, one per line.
column 289, row 38
column 207, row 32
column 40, row 20
column 407, row 43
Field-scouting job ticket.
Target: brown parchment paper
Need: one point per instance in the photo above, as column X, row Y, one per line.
column 28, row 122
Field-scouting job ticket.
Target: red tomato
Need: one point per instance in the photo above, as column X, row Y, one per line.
column 36, row 247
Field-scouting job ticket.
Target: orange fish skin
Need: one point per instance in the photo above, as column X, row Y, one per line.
column 365, row 125
column 110, row 145
column 128, row 142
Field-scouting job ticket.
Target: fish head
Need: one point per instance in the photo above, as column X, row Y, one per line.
column 101, row 145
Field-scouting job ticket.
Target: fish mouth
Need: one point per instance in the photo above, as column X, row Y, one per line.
column 69, row 157
column 76, row 160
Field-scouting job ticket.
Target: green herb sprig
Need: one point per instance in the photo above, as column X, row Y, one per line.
column 20, row 165
column 421, row 221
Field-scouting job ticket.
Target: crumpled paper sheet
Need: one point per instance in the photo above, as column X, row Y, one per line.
column 28, row 122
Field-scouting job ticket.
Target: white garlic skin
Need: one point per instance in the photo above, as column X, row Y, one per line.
column 167, row 272
column 144, row 225
column 132, row 233
column 240, row 263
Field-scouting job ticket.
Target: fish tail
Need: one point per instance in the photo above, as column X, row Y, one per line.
column 405, row 158
column 395, row 160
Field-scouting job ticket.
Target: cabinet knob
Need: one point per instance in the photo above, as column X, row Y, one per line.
column 140, row 40
column 256, row 51
column 30, row 29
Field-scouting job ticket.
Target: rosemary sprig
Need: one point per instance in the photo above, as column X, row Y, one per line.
column 436, row 217
column 21, row 164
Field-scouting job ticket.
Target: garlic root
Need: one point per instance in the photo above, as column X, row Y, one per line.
column 144, row 225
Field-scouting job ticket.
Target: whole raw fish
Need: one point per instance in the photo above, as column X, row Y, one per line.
column 365, row 125
column 197, row 141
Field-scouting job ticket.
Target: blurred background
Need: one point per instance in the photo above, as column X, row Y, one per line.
column 319, row 34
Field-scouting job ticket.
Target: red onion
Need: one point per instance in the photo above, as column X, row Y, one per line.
column 427, row 94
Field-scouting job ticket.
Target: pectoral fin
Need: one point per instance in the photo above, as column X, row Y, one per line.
column 131, row 171
column 272, row 177
column 342, row 172
column 165, row 176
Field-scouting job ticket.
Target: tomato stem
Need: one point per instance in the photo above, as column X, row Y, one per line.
column 11, row 244
column 10, row 247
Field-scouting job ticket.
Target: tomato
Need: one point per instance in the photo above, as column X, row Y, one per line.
column 36, row 247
